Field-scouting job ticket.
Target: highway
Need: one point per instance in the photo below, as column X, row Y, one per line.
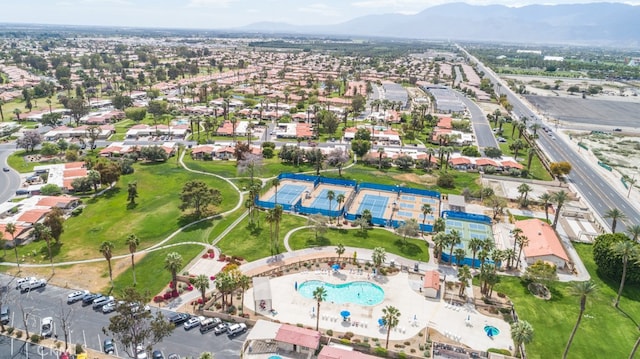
column 9, row 181
column 600, row 195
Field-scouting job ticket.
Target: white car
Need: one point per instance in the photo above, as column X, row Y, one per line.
column 33, row 284
column 109, row 307
column 22, row 281
column 141, row 352
column 76, row 296
column 47, row 327
column 193, row 322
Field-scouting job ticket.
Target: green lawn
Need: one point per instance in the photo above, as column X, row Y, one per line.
column 18, row 163
column 413, row 249
column 150, row 272
column 605, row 332
column 155, row 217
column 271, row 168
column 252, row 244
column 537, row 170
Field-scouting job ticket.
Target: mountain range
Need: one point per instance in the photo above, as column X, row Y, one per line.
column 585, row 24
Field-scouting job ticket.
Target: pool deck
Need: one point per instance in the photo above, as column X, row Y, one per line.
column 400, row 292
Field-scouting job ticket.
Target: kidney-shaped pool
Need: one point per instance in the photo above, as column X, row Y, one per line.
column 362, row 293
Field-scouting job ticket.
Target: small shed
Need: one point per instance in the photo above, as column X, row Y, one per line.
column 457, row 203
column 262, row 298
column 301, row 340
column 431, row 284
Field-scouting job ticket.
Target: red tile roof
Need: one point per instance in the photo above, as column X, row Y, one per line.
column 431, row 280
column 511, row 164
column 543, row 240
column 459, row 161
column 6, row 236
column 298, row 336
column 74, row 165
column 486, row 162
column 53, row 201
column 33, row 215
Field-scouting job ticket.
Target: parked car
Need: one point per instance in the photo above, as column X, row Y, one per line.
column 141, row 352
column 173, row 356
column 236, row 329
column 208, row 324
column 89, row 298
column 4, row 314
column 157, row 355
column 221, row 328
column 193, row 322
column 6, row 169
column 108, row 346
column 22, row 281
column 76, row 296
column 109, row 307
column 179, row 318
column 47, row 327
column 33, row 284
column 98, row 303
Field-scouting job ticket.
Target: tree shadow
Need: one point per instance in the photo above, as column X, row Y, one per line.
column 254, row 229
column 321, row 241
column 410, row 249
column 199, row 226
column 131, row 205
column 362, row 234
column 187, row 218
column 110, row 193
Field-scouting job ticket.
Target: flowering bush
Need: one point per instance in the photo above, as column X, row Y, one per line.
column 212, row 255
column 190, row 288
column 167, row 295
column 158, row 299
column 171, row 284
column 175, row 294
column 199, row 300
column 205, row 256
column 213, row 277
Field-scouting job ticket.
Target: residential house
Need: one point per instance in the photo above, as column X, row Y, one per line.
column 544, row 244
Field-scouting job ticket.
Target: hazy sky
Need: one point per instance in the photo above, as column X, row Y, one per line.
column 216, row 14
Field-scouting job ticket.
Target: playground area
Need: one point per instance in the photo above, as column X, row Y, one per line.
column 470, row 227
column 318, row 197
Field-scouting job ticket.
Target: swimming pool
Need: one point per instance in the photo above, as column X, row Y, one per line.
column 275, row 357
column 361, row 293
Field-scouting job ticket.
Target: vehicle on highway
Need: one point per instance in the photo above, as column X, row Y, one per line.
column 89, row 298
column 208, row 324
column 157, row 355
column 108, row 346
column 76, row 296
column 4, row 314
column 47, row 327
column 33, row 284
column 22, row 281
column 178, row 318
column 236, row 329
column 221, row 328
column 617, row 129
column 109, row 307
column 193, row 322
column 98, row 303
column 6, row 169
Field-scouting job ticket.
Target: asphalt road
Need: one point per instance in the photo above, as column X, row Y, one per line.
column 600, row 195
column 87, row 324
column 481, row 126
column 18, row 349
column 9, row 181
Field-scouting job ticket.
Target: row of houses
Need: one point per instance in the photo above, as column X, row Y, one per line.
column 80, row 132
column 118, row 149
column 444, row 130
column 380, row 134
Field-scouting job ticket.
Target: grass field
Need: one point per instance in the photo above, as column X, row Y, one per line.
column 155, row 216
column 253, row 243
column 150, row 272
column 605, row 332
column 413, row 248
column 271, row 168
column 537, row 170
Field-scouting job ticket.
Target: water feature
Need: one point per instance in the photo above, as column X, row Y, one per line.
column 361, row 293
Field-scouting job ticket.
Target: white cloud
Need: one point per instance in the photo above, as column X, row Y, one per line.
column 320, row 9
column 210, row 3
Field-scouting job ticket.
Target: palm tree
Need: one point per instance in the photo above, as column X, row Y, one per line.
column 243, row 282
column 582, row 290
column 340, row 199
column 546, row 198
column 11, row 229
column 531, row 152
column 634, row 232
column 270, row 218
column 464, row 276
column 426, row 209
column 378, row 256
column 627, row 250
column 339, row 250
column 106, row 248
column 320, row 295
column 516, row 146
column 559, row 198
column 391, row 317
column 524, row 190
column 474, row 245
column 173, row 263
column 459, row 254
column 277, row 217
column 522, row 242
column 133, row 242
column 521, row 333
column 201, row 282
column 276, row 182
column 615, row 214
column 380, row 154
column 454, row 240
column 330, row 196
column 440, row 240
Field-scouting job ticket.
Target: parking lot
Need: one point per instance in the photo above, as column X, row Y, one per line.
column 86, row 324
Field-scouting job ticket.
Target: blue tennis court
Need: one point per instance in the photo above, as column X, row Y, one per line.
column 408, row 198
column 288, row 193
column 322, row 202
column 405, row 214
column 429, row 200
column 375, row 204
column 406, row 205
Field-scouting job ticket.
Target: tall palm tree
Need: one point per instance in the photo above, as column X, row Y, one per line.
column 243, row 282
column 276, row 182
column 454, row 240
column 270, row 218
column 559, row 198
column 320, row 295
column 277, row 217
column 546, row 198
column 634, row 232
column 340, row 199
column 11, row 229
column 340, row 250
column 521, row 333
column 582, row 290
column 380, row 154
column 391, row 317
column 627, row 250
column 330, row 196
column 459, row 254
column 133, row 242
column 531, row 152
column 524, row 190
column 201, row 282
column 106, row 248
column 510, row 255
column 426, row 209
column 474, row 245
column 440, row 240
column 378, row 257
column 173, row 263
column 616, row 215
column 522, row 242
column 464, row 276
